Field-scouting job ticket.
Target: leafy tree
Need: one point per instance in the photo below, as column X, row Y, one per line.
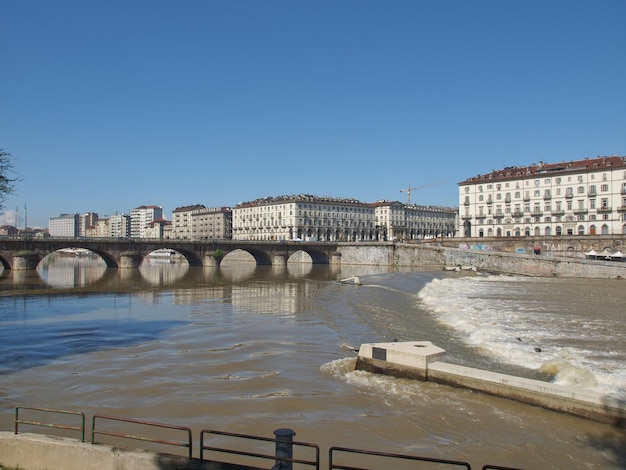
column 7, row 185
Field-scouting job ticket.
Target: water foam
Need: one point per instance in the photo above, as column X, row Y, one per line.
column 499, row 316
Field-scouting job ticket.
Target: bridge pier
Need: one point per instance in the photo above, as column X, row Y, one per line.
column 279, row 259
column 211, row 261
column 129, row 259
column 335, row 258
column 25, row 260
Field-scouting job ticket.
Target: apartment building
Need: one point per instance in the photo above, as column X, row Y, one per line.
column 119, row 226
column 307, row 217
column 304, row 217
column 86, row 222
column 157, row 229
column 140, row 219
column 182, row 221
column 64, row 225
column 583, row 197
column 214, row 223
column 101, row 229
column 397, row 221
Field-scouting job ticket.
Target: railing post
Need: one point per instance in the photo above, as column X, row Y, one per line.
column 284, row 449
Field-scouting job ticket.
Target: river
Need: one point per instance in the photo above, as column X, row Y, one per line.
column 252, row 349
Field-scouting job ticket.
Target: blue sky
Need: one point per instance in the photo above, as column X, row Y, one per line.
column 106, row 106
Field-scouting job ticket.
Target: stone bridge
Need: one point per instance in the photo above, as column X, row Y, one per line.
column 23, row 254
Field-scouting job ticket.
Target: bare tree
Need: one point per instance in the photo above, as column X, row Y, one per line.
column 7, row 181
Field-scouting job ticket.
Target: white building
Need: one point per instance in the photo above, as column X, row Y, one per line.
column 584, row 197
column 65, row 225
column 119, row 226
column 304, row 217
column 397, row 221
column 141, row 217
column 307, row 217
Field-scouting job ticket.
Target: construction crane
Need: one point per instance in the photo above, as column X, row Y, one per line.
column 413, row 188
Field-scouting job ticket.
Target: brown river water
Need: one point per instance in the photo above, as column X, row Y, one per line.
column 250, row 349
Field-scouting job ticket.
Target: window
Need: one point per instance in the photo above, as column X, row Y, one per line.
column 580, row 190
column 604, row 188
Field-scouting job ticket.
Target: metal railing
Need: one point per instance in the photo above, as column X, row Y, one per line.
column 333, row 456
column 339, row 458
column 47, row 411
column 148, row 424
column 283, row 455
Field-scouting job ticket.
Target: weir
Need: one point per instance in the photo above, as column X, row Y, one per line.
column 422, row 360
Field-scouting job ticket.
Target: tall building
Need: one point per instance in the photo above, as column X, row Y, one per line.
column 141, row 217
column 64, row 225
column 86, row 221
column 119, row 226
column 583, row 197
column 215, row 223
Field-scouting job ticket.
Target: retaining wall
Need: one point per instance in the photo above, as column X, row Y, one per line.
column 411, row 255
column 30, row 451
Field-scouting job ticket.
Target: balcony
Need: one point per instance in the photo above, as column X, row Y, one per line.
column 569, row 195
column 605, row 209
column 621, row 209
column 558, row 212
column 581, row 210
column 518, row 214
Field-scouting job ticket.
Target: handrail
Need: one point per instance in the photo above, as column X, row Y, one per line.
column 332, row 465
column 188, row 444
column 277, row 458
column 280, row 458
column 497, row 467
column 80, row 428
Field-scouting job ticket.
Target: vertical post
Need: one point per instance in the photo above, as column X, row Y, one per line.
column 284, row 449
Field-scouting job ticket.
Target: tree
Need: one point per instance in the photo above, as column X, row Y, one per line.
column 7, row 181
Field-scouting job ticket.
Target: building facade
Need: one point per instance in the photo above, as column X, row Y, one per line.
column 183, row 221
column 397, row 221
column 119, row 226
column 157, row 229
column 64, row 225
column 215, row 223
column 86, row 222
column 313, row 218
column 140, row 219
column 584, row 197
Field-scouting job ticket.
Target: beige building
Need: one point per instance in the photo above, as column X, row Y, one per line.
column 397, row 221
column 182, row 221
column 157, row 229
column 583, row 197
column 213, row 223
column 307, row 217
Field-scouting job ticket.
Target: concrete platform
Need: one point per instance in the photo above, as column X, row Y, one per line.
column 42, row 452
column 421, row 360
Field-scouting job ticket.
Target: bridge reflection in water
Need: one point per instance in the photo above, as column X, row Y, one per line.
column 89, row 272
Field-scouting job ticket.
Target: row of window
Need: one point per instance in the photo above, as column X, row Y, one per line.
column 517, row 232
